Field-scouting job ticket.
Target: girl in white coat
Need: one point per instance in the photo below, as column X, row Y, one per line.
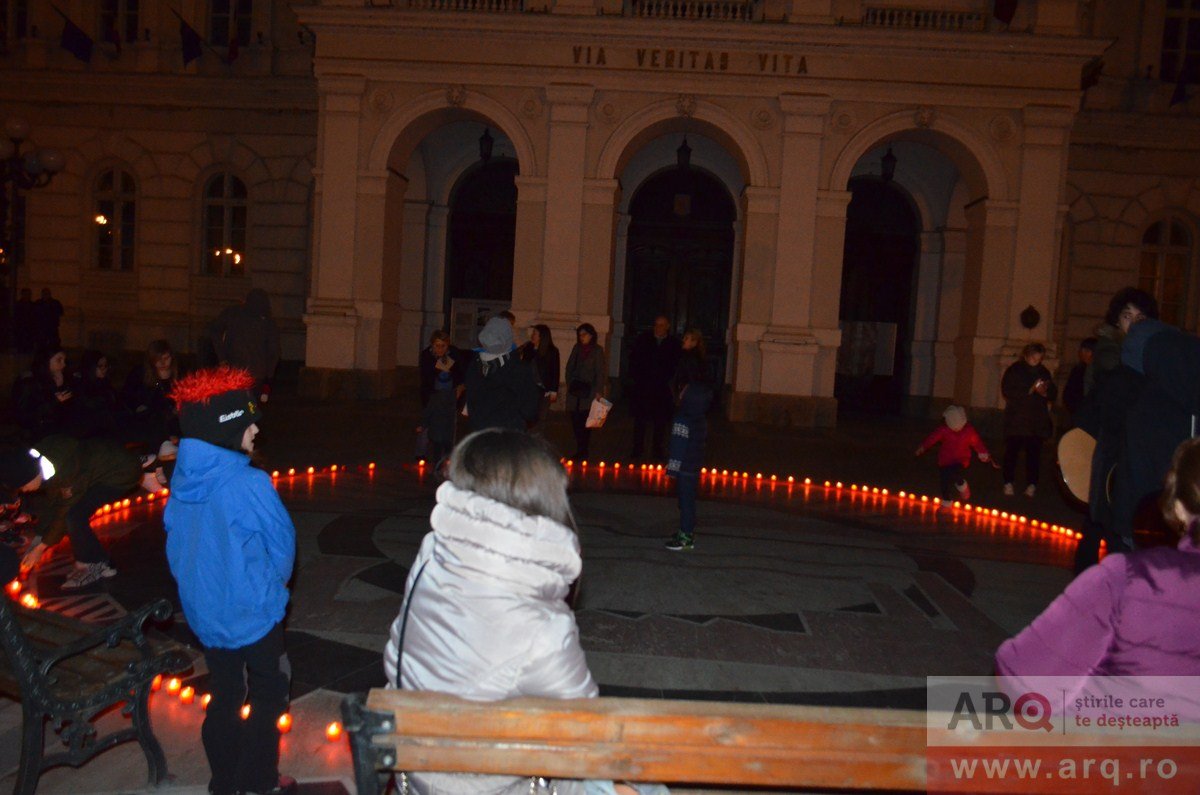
column 485, row 615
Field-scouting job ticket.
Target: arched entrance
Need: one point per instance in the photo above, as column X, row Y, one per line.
column 879, row 265
column 480, row 239
column 679, row 258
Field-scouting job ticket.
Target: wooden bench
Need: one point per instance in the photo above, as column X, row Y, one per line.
column 622, row 739
column 68, row 671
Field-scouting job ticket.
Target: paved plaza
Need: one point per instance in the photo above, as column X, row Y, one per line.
column 794, row 593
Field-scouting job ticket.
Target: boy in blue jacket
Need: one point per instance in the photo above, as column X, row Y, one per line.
column 231, row 546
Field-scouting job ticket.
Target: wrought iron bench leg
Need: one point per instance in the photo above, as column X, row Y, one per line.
column 33, row 740
column 156, row 761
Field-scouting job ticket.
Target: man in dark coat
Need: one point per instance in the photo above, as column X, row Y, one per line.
column 47, row 314
column 652, row 361
column 24, row 331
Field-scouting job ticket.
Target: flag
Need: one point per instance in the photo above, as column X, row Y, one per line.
column 74, row 40
column 1005, row 10
column 191, row 44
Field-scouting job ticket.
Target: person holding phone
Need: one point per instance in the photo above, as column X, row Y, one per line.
column 1029, row 392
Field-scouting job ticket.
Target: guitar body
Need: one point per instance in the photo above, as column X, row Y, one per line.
column 1075, row 451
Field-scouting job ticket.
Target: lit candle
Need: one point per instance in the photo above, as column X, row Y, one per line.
column 284, row 723
column 156, row 683
column 187, row 695
column 245, row 711
column 173, row 685
column 333, row 731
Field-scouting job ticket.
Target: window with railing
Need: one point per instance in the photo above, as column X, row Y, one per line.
column 1181, row 42
column 1165, row 266
column 230, row 21
column 923, row 19
column 115, row 220
column 715, row 10
column 119, row 21
column 226, row 209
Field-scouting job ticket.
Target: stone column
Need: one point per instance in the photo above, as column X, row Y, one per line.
column 528, row 261
column 436, row 221
column 988, row 285
column 411, row 334
column 620, row 250
column 596, row 258
column 376, row 290
column 760, row 209
column 949, row 311
column 564, row 206
column 1043, row 175
column 925, row 316
column 331, row 318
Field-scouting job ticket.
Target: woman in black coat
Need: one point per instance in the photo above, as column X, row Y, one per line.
column 1029, row 391
column 42, row 399
column 542, row 355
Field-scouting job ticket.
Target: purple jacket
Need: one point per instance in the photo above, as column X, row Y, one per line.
column 1131, row 615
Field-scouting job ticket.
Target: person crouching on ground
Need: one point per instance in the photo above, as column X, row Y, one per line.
column 958, row 438
column 231, row 546
column 689, row 431
column 485, row 615
column 76, row 477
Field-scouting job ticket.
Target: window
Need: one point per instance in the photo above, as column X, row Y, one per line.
column 230, row 21
column 1163, row 272
column 1181, row 42
column 225, row 210
column 115, row 220
column 119, row 20
column 14, row 19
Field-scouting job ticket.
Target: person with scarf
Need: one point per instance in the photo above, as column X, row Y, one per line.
column 587, row 379
column 501, row 389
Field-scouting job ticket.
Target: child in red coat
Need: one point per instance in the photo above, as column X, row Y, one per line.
column 957, row 438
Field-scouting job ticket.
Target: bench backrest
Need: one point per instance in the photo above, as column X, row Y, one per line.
column 644, row 740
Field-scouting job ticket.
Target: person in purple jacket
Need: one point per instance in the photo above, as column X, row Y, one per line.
column 1132, row 614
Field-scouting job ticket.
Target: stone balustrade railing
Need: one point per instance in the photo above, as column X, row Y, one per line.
column 492, row 6
column 709, row 10
column 921, row 19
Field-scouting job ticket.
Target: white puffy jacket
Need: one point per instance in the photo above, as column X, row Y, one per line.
column 488, row 619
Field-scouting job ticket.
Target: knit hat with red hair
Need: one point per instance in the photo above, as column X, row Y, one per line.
column 216, row 405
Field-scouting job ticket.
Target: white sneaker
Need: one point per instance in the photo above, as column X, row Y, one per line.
column 1009, row 490
column 1030, row 490
column 86, row 574
column 964, row 490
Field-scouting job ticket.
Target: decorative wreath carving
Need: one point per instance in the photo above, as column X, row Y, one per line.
column 456, row 95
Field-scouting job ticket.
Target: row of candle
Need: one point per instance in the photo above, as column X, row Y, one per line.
column 187, row 695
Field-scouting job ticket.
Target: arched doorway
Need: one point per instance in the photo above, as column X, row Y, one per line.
column 878, row 272
column 679, row 258
column 480, row 239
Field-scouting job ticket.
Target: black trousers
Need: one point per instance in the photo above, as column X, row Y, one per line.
column 949, row 476
column 583, row 434
column 243, row 755
column 84, row 545
column 1031, row 446
column 658, row 432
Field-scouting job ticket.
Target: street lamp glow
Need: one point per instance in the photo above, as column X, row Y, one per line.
column 101, row 220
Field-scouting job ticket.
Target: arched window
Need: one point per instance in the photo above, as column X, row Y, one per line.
column 1181, row 42
column 1165, row 266
column 115, row 220
column 225, row 210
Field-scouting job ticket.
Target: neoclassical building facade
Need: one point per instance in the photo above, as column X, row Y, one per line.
column 872, row 204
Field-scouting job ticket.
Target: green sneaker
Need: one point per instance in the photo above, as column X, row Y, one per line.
column 680, row 543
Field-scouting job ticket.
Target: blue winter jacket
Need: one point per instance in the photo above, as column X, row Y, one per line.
column 230, row 545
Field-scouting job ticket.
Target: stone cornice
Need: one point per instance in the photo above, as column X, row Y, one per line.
column 613, row 30
column 50, row 87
